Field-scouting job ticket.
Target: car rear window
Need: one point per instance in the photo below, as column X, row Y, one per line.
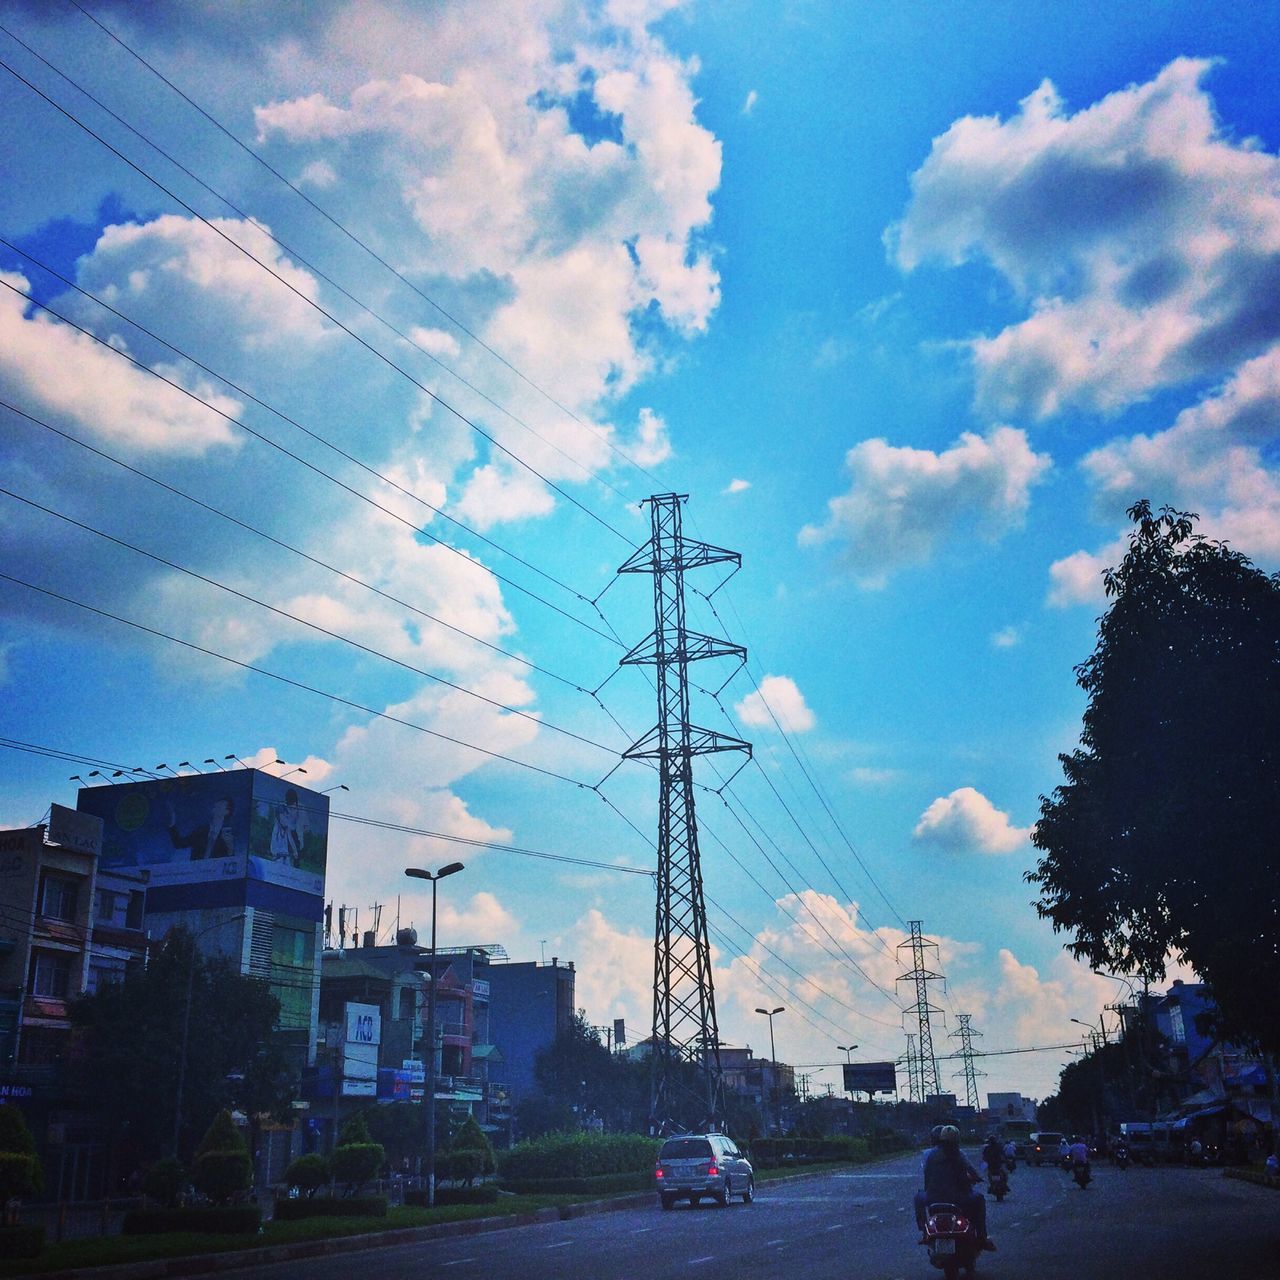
column 685, row 1149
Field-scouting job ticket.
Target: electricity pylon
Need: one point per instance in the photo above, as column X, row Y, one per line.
column 684, row 1007
column 966, row 1034
column 921, row 976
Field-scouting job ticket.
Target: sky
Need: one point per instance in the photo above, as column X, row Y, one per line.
column 341, row 344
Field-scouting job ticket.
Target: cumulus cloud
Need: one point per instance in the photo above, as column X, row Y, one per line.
column 966, row 820
column 903, row 502
column 737, row 486
column 749, row 105
column 1006, row 638
column 1144, row 239
column 780, row 696
column 60, row 372
column 652, row 443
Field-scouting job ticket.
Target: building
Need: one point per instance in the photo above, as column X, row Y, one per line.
column 237, row 858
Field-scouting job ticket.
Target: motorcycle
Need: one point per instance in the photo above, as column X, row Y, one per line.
column 952, row 1240
column 998, row 1184
column 1083, row 1175
column 1120, row 1157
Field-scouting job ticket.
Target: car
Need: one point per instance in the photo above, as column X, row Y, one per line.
column 1044, row 1146
column 694, row 1165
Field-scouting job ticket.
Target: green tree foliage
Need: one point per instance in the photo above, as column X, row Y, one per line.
column 471, row 1137
column 20, row 1172
column 163, row 1182
column 129, row 1039
column 222, row 1168
column 401, row 1128
column 1162, row 838
column 308, row 1173
column 357, row 1158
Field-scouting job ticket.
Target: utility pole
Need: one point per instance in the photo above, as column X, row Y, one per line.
column 684, row 1010
column 966, row 1034
column 922, row 976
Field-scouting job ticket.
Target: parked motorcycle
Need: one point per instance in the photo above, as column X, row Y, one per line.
column 952, row 1240
column 1083, row 1175
column 998, row 1184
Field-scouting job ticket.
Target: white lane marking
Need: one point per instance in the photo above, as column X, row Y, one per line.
column 564, row 1244
column 639, row 1231
column 839, row 1226
column 693, row 1262
column 770, row 1243
column 457, row 1262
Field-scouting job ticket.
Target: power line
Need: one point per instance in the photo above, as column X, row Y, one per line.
column 310, row 302
column 296, row 684
column 310, row 466
column 328, row 217
column 314, row 626
column 261, row 533
column 305, row 262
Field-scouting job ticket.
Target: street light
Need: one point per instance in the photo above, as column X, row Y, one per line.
column 417, row 873
column 773, row 1063
column 847, row 1049
column 186, row 1024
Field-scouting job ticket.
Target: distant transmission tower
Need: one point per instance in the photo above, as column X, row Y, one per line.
column 966, row 1034
column 921, row 976
column 684, row 1007
column 913, row 1070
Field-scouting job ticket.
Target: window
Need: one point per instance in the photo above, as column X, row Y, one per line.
column 110, row 908
column 59, row 896
column 50, row 974
column 104, row 970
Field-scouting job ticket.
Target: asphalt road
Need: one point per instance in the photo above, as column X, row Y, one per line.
column 1139, row 1224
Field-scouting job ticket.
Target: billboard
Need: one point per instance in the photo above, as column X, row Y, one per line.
column 214, row 826
column 363, row 1035
column 870, row 1077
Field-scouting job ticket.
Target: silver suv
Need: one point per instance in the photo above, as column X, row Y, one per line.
column 703, row 1164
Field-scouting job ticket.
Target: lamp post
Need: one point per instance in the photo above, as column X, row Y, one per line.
column 418, row 873
column 773, row 1062
column 1099, row 1041
column 186, row 1025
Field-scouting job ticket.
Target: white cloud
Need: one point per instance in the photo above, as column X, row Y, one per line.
column 318, row 174
column 868, row 776
column 1006, row 638
column 737, row 486
column 781, row 696
column 749, row 105
column 59, row 372
column 966, row 819
column 903, row 502
column 1140, row 233
column 652, row 443
column 436, row 341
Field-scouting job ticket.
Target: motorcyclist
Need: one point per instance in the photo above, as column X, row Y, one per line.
column 993, row 1155
column 1010, row 1154
column 1079, row 1155
column 949, row 1178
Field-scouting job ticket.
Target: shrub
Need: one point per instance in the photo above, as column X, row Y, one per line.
column 163, row 1182
column 222, row 1168
column 229, row 1220
column 307, row 1173
column 578, row 1155
column 19, row 1176
column 356, row 1159
column 471, row 1137
column 21, row 1242
column 486, row 1194
column 459, row 1166
column 606, row 1184
column 16, row 1139
column 332, row 1207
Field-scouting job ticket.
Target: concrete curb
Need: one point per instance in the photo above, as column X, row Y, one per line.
column 234, row 1259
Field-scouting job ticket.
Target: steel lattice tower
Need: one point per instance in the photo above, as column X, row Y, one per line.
column 928, row 1068
column 913, row 1090
column 966, row 1034
column 684, row 1007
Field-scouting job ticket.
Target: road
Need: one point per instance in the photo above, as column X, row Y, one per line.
column 1139, row 1224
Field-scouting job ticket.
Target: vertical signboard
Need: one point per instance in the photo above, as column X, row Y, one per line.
column 362, row 1036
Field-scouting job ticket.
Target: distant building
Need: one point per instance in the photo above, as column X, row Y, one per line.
column 237, row 858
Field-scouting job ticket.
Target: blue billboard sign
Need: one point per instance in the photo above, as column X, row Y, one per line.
column 241, row 824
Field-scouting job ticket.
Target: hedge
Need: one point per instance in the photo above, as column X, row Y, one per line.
column 577, row 1155
column 223, row 1220
column 331, row 1207
column 460, row 1166
column 768, row 1153
column 487, row 1194
column 21, row 1242
column 605, row 1184
column 1259, row 1177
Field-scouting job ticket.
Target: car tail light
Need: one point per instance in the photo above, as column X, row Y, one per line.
column 657, row 1173
column 712, row 1169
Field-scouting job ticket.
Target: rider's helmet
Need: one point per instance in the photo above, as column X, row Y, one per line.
column 949, row 1136
column 935, row 1134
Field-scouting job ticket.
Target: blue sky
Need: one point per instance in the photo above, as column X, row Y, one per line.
column 912, row 301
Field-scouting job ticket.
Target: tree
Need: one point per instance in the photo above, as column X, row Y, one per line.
column 1162, row 839
column 222, row 1168
column 129, row 1036
column 21, row 1174
column 356, row 1158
